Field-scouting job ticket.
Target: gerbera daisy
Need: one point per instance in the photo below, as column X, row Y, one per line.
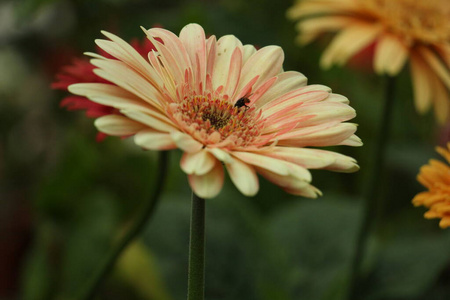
column 400, row 29
column 81, row 70
column 436, row 177
column 225, row 105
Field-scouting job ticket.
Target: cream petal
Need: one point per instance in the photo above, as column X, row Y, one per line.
column 234, row 73
column 154, row 140
column 225, row 48
column 220, row 154
column 211, row 53
column 95, row 89
column 286, row 82
column 266, row 63
column 390, row 55
column 348, row 42
column 263, row 161
column 171, row 45
column 121, row 50
column 421, row 85
column 273, row 165
column 326, row 112
column 314, row 158
column 249, row 50
column 309, row 191
column 198, row 163
column 442, row 71
column 121, row 75
column 153, row 121
column 243, row 176
column 208, row 185
column 262, row 89
column 441, row 102
column 353, row 141
column 310, row 114
column 117, row 125
column 186, row 142
column 193, row 38
column 311, row 28
column 294, row 102
column 333, row 135
column 284, row 181
column 337, row 98
column 305, row 8
column 109, row 95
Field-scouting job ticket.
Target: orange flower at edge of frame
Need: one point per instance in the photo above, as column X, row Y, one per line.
column 436, row 177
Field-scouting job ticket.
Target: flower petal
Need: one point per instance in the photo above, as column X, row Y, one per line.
column 243, row 176
column 117, row 125
column 186, row 142
column 348, row 42
column 421, row 84
column 225, row 48
column 390, row 55
column 286, row 82
column 153, row 140
column 208, row 185
column 265, row 63
column 314, row 158
column 193, row 38
column 151, row 120
column 198, row 163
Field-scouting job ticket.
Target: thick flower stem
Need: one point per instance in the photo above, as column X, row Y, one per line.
column 372, row 189
column 196, row 272
column 136, row 228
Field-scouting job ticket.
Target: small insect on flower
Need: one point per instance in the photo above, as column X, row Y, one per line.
column 243, row 102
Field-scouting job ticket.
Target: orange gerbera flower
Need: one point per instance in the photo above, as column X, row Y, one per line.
column 401, row 29
column 436, row 177
column 225, row 105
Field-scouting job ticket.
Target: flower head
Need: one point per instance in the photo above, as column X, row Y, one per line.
column 400, row 29
column 81, row 70
column 225, row 105
column 436, row 177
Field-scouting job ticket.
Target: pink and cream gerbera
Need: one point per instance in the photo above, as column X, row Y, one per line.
column 398, row 30
column 225, row 105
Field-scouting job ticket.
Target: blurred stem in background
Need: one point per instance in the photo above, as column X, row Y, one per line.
column 196, row 272
column 145, row 213
column 371, row 192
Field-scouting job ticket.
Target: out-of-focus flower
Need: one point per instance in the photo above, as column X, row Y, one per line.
column 225, row 105
column 436, row 177
column 400, row 29
column 81, row 70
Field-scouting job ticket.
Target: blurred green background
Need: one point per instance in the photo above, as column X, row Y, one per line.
column 65, row 198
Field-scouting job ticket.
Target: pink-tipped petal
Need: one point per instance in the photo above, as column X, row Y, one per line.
column 265, row 63
column 225, row 48
column 193, row 38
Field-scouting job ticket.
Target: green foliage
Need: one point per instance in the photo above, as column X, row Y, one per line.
column 315, row 241
column 406, row 267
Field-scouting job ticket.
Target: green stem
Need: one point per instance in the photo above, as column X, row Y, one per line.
column 136, row 228
column 373, row 187
column 196, row 273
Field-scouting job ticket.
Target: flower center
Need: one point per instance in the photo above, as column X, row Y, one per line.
column 423, row 20
column 216, row 121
